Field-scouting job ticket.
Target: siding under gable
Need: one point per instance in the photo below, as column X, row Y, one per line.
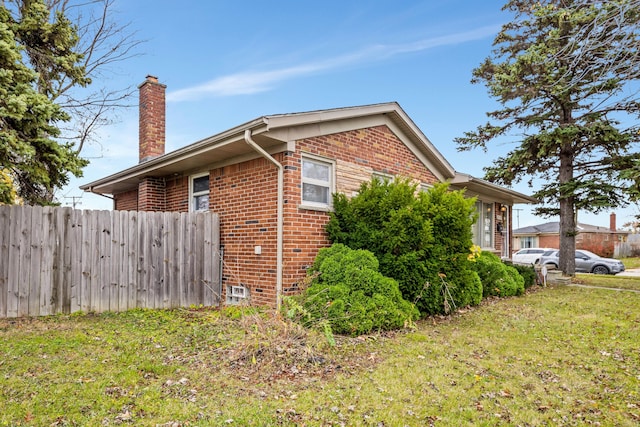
column 364, row 151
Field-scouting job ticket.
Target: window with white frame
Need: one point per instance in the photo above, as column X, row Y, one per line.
column 382, row 177
column 527, row 242
column 425, row 187
column 317, row 182
column 483, row 234
column 199, row 193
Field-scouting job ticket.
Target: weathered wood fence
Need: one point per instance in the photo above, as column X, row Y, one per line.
column 630, row 248
column 61, row 260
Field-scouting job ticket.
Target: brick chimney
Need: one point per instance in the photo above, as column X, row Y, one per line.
column 612, row 222
column 152, row 119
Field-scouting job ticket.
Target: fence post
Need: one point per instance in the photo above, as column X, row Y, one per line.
column 5, row 227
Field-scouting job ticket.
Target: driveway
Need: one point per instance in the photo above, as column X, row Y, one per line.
column 632, row 272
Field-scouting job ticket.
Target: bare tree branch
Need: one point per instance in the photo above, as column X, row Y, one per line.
column 590, row 50
column 103, row 44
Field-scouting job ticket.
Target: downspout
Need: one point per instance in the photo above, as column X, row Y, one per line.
column 280, row 234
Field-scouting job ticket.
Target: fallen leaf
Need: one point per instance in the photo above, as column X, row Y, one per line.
column 505, row 393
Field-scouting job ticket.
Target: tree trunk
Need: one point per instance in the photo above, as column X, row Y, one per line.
column 567, row 214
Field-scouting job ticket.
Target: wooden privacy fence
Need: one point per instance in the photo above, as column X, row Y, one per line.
column 61, row 260
column 630, row 248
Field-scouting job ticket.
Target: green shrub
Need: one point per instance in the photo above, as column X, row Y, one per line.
column 527, row 272
column 466, row 287
column 498, row 279
column 441, row 295
column 347, row 290
column 417, row 237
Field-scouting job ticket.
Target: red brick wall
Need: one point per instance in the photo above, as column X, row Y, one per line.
column 127, row 201
column 549, row 241
column 151, row 119
column 245, row 197
column 152, row 194
column 177, row 196
column 499, row 237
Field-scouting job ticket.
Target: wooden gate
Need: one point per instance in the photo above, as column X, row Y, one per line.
column 61, row 260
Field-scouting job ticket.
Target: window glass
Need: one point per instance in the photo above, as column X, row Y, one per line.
column 527, row 241
column 477, row 225
column 201, row 184
column 483, row 229
column 316, row 182
column 201, row 202
column 315, row 170
column 199, row 193
column 382, row 177
column 315, row 193
column 487, row 225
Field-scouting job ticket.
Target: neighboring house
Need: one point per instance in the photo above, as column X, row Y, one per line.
column 599, row 240
column 271, row 180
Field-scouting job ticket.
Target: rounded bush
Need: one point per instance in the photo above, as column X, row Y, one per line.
column 348, row 290
column 527, row 272
column 498, row 279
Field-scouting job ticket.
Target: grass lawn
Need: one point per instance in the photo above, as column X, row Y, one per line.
column 631, row 262
column 562, row 355
column 619, row 282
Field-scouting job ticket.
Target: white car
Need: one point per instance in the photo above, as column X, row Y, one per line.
column 529, row 256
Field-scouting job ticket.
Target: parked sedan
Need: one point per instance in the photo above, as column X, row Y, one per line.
column 586, row 262
column 529, row 255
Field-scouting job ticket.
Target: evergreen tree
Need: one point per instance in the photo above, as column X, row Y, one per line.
column 564, row 73
column 29, row 153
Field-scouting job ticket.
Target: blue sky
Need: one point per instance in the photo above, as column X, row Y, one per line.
column 228, row 62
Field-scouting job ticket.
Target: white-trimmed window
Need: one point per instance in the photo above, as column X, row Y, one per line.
column 199, row 192
column 317, row 182
column 382, row 177
column 527, row 242
column 483, row 229
column 425, row 187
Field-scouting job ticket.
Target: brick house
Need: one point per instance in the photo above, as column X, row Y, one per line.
column 599, row 240
column 271, row 181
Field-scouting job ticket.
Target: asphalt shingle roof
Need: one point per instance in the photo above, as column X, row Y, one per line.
column 554, row 228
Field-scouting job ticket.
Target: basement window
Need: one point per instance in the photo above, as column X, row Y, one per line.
column 237, row 295
column 199, row 193
column 317, row 183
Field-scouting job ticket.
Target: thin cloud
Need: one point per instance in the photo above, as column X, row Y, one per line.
column 246, row 83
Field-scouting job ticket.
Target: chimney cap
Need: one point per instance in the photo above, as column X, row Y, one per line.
column 151, row 79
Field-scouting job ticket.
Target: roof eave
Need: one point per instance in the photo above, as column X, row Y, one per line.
column 146, row 168
column 477, row 185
